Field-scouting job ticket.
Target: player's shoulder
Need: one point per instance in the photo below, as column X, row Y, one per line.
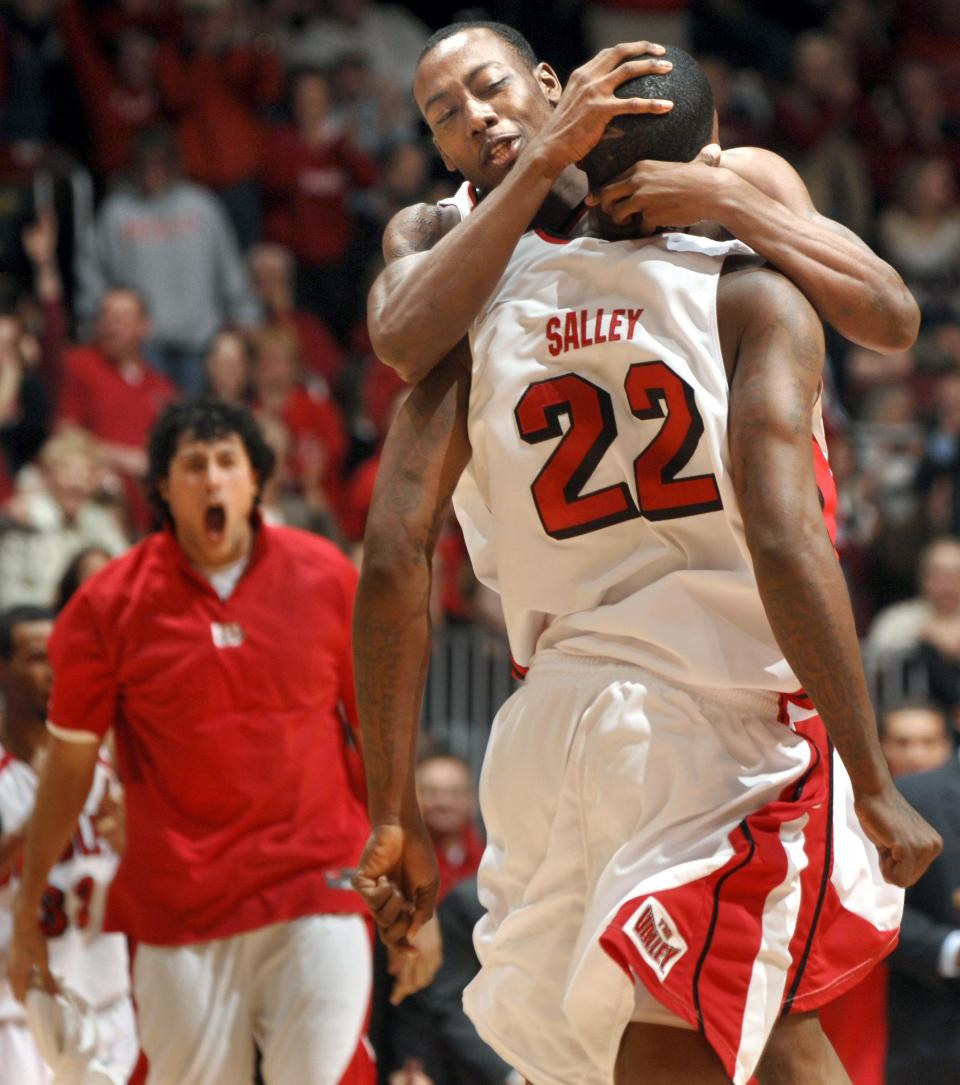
column 418, row 228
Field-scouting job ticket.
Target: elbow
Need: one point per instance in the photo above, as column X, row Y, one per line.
column 405, row 360
column 393, row 561
column 901, row 326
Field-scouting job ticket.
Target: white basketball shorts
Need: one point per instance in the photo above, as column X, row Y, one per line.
column 665, row 854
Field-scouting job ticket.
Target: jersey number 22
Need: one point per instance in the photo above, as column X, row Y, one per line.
column 653, row 390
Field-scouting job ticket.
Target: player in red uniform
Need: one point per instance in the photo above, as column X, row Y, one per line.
column 218, row 649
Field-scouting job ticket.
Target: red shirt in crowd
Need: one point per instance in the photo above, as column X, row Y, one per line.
column 458, row 861
column 309, row 186
column 114, row 406
column 215, row 97
column 317, row 436
column 319, row 350
column 116, row 112
column 234, row 724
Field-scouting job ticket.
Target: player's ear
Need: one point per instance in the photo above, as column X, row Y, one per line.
column 451, row 168
column 549, row 82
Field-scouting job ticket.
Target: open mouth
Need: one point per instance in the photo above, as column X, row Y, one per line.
column 502, row 151
column 214, row 521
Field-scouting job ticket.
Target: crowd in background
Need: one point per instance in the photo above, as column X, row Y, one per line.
column 192, row 195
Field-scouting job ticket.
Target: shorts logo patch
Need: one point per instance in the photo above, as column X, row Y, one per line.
column 655, row 935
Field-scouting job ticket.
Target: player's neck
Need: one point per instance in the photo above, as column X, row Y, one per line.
column 560, row 207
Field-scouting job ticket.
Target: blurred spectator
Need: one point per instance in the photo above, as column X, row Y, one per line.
column 925, row 966
column 171, row 242
column 916, row 737
column 82, row 567
column 938, row 477
column 446, row 795
column 900, row 627
column 227, row 368
column 386, row 35
column 214, row 80
column 111, row 392
column 435, row 1042
column 404, row 180
column 317, row 439
column 312, row 167
column 814, row 116
column 119, row 91
column 372, row 113
column 920, row 234
column 272, row 273
column 54, row 524
column 24, row 403
column 37, row 102
column 744, row 110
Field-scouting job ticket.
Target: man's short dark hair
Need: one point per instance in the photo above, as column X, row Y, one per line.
column 677, row 136
column 517, row 42
column 206, row 419
column 20, row 614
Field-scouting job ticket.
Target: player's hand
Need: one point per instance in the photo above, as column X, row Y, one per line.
column 27, row 964
column 413, row 971
column 906, row 843
column 665, row 193
column 397, row 877
column 588, row 102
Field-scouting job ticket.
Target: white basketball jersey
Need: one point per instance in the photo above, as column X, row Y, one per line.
column 92, row 963
column 599, row 501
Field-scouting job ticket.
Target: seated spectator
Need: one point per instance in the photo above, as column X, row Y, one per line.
column 312, row 167
column 111, row 392
column 54, row 524
column 924, row 1037
column 215, row 79
column 171, row 242
column 920, row 234
column 901, row 626
column 445, row 792
column 915, row 737
column 227, row 368
column 119, row 92
column 318, row 441
column 939, row 472
column 272, row 272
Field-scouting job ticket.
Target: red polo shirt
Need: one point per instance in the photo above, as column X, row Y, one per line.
column 113, row 407
column 234, row 733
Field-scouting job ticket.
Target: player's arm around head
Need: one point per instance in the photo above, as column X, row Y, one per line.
column 762, row 200
column 773, row 345
column 423, row 457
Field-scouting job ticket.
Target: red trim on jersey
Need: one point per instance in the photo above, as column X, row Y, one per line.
column 516, row 671
column 828, row 490
column 472, row 196
column 551, row 239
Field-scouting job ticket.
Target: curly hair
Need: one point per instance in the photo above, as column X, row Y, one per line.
column 205, row 419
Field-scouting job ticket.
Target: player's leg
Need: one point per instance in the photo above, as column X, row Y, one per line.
column 799, row 1052
column 660, row 1055
column 194, row 1013
column 313, row 980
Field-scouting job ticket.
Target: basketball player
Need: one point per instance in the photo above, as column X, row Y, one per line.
column 675, row 858
column 218, row 649
column 87, row 962
column 498, row 117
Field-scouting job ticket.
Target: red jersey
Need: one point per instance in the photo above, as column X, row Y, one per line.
column 235, row 728
column 113, row 407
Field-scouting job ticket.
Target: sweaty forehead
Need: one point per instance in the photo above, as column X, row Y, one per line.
column 451, row 61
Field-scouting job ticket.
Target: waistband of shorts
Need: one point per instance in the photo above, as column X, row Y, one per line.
column 553, row 665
